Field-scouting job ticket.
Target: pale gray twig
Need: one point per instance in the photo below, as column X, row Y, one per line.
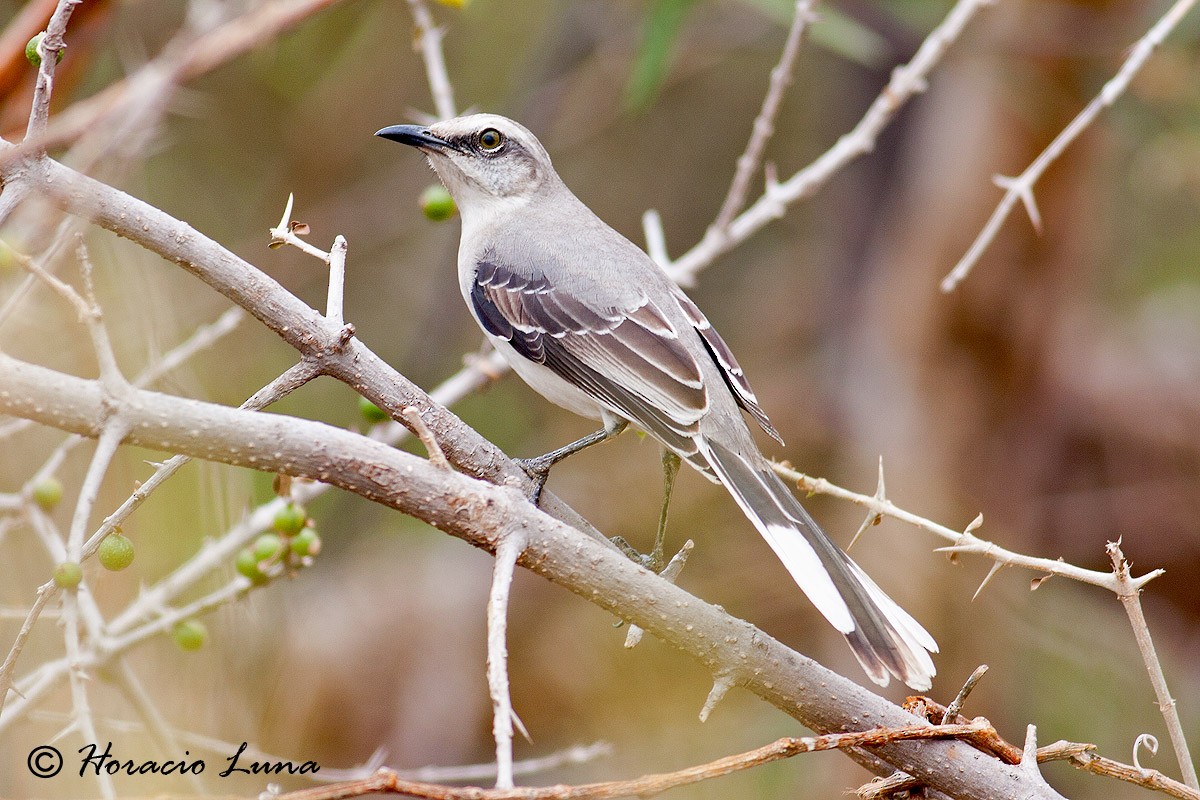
column 764, row 123
column 964, row 541
column 1020, row 188
column 906, row 82
column 509, row 547
column 1130, row 595
column 429, row 44
column 48, row 49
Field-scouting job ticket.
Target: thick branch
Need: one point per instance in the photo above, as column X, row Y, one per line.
column 301, row 326
column 476, row 512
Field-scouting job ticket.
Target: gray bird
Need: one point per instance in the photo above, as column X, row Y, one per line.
column 597, row 327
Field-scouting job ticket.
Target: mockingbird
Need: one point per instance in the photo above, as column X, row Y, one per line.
column 596, row 326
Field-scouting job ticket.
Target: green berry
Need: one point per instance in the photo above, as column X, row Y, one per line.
column 436, row 203
column 116, row 552
column 371, row 412
column 31, row 51
column 68, row 574
column 247, row 566
column 190, row 634
column 290, row 519
column 306, row 543
column 267, row 547
column 48, row 492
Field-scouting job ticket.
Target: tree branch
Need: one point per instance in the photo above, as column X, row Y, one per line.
column 476, row 512
column 1020, row 188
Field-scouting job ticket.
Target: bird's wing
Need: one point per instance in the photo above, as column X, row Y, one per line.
column 731, row 370
column 626, row 354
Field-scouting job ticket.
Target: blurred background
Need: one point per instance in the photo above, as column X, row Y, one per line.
column 1057, row 391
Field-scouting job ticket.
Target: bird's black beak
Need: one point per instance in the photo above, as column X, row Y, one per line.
column 416, row 136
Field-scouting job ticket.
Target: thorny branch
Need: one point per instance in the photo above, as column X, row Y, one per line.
column 476, row 510
column 964, row 541
column 1020, row 188
column 386, row 781
column 906, row 82
column 1130, row 596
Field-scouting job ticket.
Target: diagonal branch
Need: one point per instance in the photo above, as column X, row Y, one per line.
column 477, row 511
column 764, row 123
column 906, row 82
column 387, row 781
column 1020, row 188
column 964, row 541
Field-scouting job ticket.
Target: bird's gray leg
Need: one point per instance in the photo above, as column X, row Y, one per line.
column 539, row 468
column 670, row 462
column 655, row 560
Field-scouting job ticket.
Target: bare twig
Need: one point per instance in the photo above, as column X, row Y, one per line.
column 286, row 233
column 204, row 54
column 906, row 82
column 152, row 719
column 508, row 550
column 1020, row 188
column 48, row 49
column 764, row 123
column 1079, row 755
column 645, row 786
column 670, row 573
column 337, row 281
column 965, row 541
column 429, row 43
column 45, row 592
column 80, row 709
column 955, row 707
column 1130, row 595
column 1148, row 778
column 436, row 456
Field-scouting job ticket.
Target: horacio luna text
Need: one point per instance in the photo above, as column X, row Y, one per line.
column 105, row 761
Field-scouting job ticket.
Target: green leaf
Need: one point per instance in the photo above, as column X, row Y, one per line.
column 834, row 31
column 664, row 19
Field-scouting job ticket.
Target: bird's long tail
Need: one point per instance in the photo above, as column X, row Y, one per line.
column 883, row 636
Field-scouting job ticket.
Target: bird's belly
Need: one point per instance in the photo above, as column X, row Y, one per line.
column 548, row 384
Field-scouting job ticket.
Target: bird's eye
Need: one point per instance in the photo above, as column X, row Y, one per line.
column 491, row 140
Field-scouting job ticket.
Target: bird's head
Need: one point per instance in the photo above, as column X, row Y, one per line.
column 481, row 157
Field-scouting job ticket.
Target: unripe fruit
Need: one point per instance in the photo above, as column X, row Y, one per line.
column 267, row 547
column 68, row 574
column 116, row 552
column 371, row 412
column 247, row 566
column 290, row 519
column 436, row 203
column 190, row 634
column 48, row 492
column 32, row 54
column 306, row 543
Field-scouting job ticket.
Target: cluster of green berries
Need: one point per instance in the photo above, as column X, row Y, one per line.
column 292, row 544
column 115, row 553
